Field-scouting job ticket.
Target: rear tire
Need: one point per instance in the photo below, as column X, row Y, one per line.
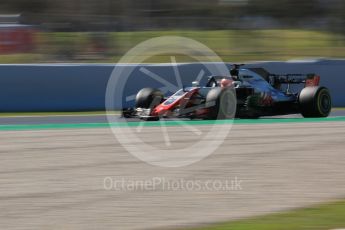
column 222, row 103
column 315, row 102
column 148, row 98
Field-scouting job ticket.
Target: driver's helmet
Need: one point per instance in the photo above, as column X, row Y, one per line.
column 225, row 82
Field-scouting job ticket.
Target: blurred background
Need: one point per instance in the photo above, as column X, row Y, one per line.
column 237, row 30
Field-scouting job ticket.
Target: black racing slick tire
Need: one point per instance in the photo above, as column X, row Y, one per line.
column 315, row 102
column 148, row 98
column 221, row 103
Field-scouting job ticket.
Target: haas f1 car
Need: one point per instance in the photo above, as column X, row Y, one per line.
column 246, row 93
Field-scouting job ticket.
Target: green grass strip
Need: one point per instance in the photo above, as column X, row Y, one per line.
column 320, row 217
column 167, row 123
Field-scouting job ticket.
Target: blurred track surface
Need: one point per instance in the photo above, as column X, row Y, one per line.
column 53, row 179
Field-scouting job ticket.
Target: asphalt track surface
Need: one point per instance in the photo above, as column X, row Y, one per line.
column 54, row 178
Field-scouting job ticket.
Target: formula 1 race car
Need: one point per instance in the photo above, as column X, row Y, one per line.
column 246, row 93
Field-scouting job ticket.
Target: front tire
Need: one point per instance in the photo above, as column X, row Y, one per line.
column 148, row 98
column 221, row 103
column 315, row 102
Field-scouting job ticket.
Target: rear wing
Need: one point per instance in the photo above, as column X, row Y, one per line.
column 307, row 79
column 310, row 79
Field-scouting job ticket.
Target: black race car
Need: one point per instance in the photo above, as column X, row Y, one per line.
column 246, row 93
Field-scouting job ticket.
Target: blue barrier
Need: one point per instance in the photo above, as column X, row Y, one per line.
column 80, row 87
